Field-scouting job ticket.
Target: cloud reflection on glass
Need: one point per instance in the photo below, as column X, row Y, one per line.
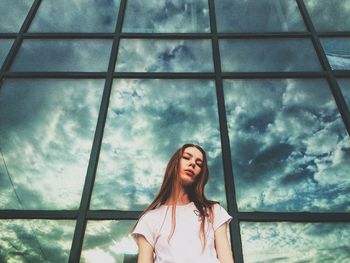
column 108, row 241
column 149, row 55
column 295, row 242
column 46, row 133
column 258, row 16
column 35, row 240
column 5, row 46
column 337, row 50
column 76, row 16
column 13, row 14
column 63, row 55
column 153, row 16
column 328, row 15
column 345, row 88
column 289, row 146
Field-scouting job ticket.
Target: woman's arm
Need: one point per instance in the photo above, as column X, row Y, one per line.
column 223, row 248
column 145, row 250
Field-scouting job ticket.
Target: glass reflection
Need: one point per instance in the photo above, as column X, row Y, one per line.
column 329, row 15
column 35, row 240
column 5, row 46
column 166, row 16
column 13, row 14
column 146, row 122
column 46, row 133
column 290, row 149
column 345, row 88
column 295, row 242
column 78, row 16
column 63, row 55
column 337, row 52
column 268, row 55
column 150, row 55
column 258, row 16
column 109, row 241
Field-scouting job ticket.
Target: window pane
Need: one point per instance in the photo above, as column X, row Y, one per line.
column 166, row 16
column 295, row 242
column 290, row 149
column 46, row 133
column 109, row 241
column 337, row 51
column 329, row 15
column 345, row 88
column 137, row 55
column 78, row 16
column 35, row 240
column 12, row 14
column 63, row 55
column 5, row 46
column 258, row 16
column 268, row 55
column 146, row 122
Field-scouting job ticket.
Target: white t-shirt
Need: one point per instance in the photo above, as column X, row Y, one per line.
column 185, row 245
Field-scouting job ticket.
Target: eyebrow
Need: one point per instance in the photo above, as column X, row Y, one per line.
column 198, row 159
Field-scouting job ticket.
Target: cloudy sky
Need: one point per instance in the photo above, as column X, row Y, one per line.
column 167, row 16
column 258, row 16
column 289, row 147
column 12, row 14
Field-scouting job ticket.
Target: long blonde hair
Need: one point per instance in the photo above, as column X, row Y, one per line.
column 170, row 190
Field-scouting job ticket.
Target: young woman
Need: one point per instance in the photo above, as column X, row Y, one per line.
column 181, row 225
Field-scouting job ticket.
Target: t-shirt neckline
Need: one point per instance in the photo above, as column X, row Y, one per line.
column 177, row 206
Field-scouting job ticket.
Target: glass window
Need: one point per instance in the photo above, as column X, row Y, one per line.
column 109, row 241
column 35, row 240
column 268, row 55
column 329, row 15
column 345, row 88
column 149, row 55
column 147, row 121
column 290, row 149
column 46, row 133
column 337, row 51
column 258, row 16
column 5, row 46
column 295, row 242
column 63, row 55
column 76, row 16
column 13, row 14
column 166, row 16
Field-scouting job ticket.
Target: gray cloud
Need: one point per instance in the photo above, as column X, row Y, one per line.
column 329, row 15
column 5, row 45
column 35, row 240
column 337, row 50
column 268, row 55
column 296, row 159
column 167, row 16
column 12, row 14
column 137, row 55
column 345, row 88
column 63, row 55
column 81, row 16
column 258, row 16
column 295, row 242
column 46, row 130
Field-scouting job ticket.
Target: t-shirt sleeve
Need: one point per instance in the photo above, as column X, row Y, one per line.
column 145, row 227
column 220, row 216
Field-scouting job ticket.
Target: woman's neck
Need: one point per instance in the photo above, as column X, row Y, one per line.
column 183, row 199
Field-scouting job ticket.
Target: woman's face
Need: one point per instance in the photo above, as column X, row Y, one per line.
column 190, row 165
